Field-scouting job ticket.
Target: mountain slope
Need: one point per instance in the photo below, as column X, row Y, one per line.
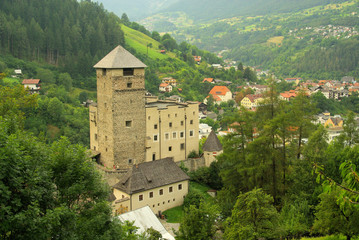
column 213, row 9
column 136, row 9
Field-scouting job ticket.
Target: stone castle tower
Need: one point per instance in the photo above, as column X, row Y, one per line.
column 118, row 121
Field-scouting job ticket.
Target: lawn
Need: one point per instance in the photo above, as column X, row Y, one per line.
column 175, row 215
column 11, row 81
column 276, row 40
column 139, row 41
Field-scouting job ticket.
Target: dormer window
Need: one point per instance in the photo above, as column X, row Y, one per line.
column 128, row 71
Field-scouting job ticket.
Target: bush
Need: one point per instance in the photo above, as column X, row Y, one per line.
column 192, row 198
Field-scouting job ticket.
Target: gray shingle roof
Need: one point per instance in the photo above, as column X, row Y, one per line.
column 150, row 175
column 212, row 143
column 119, row 58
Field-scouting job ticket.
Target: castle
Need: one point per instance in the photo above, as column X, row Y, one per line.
column 126, row 127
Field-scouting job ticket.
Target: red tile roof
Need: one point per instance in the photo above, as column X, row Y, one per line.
column 163, row 84
column 253, row 97
column 219, row 90
column 208, row 80
column 31, row 81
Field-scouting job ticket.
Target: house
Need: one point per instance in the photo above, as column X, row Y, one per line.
column 334, row 132
column 219, row 94
column 161, row 185
column 33, row 85
column 204, row 130
column 163, row 51
column 197, row 59
column 259, row 88
column 210, row 80
column 288, row 95
column 165, row 87
column 170, row 81
column 144, row 218
column 335, row 121
column 217, row 66
column 176, row 98
column 251, row 101
column 211, row 148
column 293, row 80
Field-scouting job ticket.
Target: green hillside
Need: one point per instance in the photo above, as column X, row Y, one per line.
column 140, row 41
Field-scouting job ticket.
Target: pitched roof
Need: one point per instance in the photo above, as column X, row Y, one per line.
column 212, row 143
column 163, row 84
column 119, row 58
column 208, row 80
column 150, row 175
column 144, row 218
column 253, row 97
column 31, row 81
column 215, row 98
column 219, row 90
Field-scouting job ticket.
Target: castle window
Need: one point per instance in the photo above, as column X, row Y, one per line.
column 129, row 85
column 106, row 138
column 128, row 123
column 179, row 186
column 140, row 197
column 170, row 148
column 161, row 191
column 95, row 136
column 170, row 124
column 170, row 189
column 94, row 148
column 191, row 133
column 128, row 71
column 191, row 122
column 182, row 146
column 129, row 161
column 167, row 136
column 169, row 115
column 181, row 123
column 193, row 113
column 151, row 195
column 169, row 201
column 104, row 72
column 149, row 117
column 174, row 135
column 181, row 134
column 155, row 138
column 155, row 126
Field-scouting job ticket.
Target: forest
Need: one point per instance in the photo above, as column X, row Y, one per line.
column 278, row 177
column 274, row 185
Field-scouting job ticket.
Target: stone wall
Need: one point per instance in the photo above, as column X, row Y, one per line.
column 193, row 163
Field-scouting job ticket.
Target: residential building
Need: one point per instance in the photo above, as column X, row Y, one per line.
column 210, row 80
column 251, row 101
column 165, row 87
column 335, row 121
column 204, row 130
column 161, row 185
column 219, row 94
column 288, row 95
column 170, row 80
column 33, row 85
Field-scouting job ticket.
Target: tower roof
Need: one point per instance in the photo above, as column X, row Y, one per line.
column 119, row 58
column 212, row 143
